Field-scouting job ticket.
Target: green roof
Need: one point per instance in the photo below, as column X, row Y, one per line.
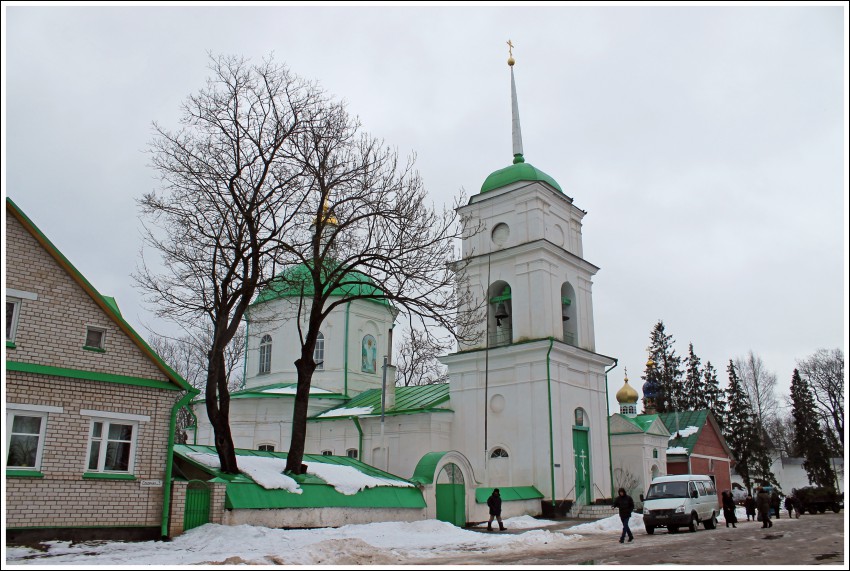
column 424, row 472
column 243, row 493
column 515, row 173
column 408, row 400
column 279, row 390
column 508, row 493
column 641, row 422
column 680, row 421
column 297, row 281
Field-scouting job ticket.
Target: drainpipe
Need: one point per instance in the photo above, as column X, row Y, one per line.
column 360, row 445
column 345, row 351
column 551, row 436
column 195, row 432
column 169, row 460
column 245, row 358
column 608, row 412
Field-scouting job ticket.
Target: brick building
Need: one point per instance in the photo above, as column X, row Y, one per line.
column 90, row 407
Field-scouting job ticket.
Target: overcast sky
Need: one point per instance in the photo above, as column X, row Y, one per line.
column 707, row 144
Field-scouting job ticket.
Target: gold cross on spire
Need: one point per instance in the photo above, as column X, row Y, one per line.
column 510, row 54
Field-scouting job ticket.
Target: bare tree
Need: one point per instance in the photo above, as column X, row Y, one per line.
column 417, row 362
column 824, row 372
column 229, row 192
column 372, row 236
column 187, row 354
column 626, row 479
column 760, row 385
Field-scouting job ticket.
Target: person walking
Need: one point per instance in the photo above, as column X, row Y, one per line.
column 494, row 502
column 789, row 505
column 626, row 505
column 750, row 507
column 763, row 506
column 775, row 503
column 729, row 509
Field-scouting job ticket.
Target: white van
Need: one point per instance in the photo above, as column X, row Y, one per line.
column 679, row 501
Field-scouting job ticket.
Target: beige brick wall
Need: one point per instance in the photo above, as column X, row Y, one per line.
column 218, row 491
column 63, row 498
column 52, row 329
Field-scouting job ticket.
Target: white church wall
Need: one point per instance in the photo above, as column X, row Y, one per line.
column 319, row 517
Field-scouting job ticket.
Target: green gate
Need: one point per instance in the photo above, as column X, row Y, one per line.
column 451, row 496
column 581, row 454
column 197, row 510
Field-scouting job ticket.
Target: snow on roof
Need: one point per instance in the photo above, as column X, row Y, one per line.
column 684, row 432
column 677, row 450
column 348, row 480
column 355, row 411
column 290, row 390
column 267, row 472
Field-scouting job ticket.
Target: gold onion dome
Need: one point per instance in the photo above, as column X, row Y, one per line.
column 327, row 216
column 627, row 395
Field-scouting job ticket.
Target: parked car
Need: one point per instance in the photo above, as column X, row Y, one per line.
column 818, row 499
column 680, row 501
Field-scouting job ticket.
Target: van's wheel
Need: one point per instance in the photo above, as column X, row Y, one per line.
column 650, row 529
column 711, row 522
column 673, row 529
column 692, row 527
column 836, row 508
column 821, row 509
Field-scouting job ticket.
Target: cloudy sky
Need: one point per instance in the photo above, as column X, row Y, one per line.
column 706, row 143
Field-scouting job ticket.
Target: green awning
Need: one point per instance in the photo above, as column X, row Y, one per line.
column 509, row 494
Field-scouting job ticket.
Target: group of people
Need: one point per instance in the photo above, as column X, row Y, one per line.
column 767, row 504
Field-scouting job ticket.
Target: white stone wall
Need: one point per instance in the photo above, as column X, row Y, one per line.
column 319, row 517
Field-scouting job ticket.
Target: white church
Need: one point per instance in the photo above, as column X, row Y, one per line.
column 525, row 409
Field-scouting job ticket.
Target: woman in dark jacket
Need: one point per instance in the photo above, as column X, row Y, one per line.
column 729, row 509
column 750, row 507
column 763, row 505
column 626, row 505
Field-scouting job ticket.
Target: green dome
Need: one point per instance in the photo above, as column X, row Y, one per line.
column 516, row 173
column 288, row 284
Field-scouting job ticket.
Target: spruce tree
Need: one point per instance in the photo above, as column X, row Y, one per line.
column 667, row 370
column 738, row 425
column 808, row 434
column 715, row 399
column 693, row 393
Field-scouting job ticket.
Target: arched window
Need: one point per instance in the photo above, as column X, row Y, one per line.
column 580, row 417
column 369, row 354
column 319, row 352
column 568, row 314
column 499, row 314
column 265, row 354
column 351, row 453
column 266, row 447
column 655, row 452
column 499, row 453
column 327, row 453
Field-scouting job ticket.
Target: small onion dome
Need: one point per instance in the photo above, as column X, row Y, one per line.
column 650, row 390
column 650, row 363
column 627, row 395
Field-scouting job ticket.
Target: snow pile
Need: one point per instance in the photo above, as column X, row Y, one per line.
column 348, row 480
column 522, row 522
column 355, row 411
column 608, row 524
column 677, row 450
column 266, row 471
column 290, row 390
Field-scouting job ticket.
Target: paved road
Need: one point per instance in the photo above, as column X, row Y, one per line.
column 818, row 539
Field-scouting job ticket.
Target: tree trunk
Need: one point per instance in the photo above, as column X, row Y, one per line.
column 305, row 367
column 218, row 410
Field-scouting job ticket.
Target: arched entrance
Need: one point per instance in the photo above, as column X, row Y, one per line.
column 451, row 496
column 581, row 455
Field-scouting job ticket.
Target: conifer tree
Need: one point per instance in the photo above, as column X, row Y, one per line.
column 715, row 399
column 667, row 372
column 738, row 426
column 693, row 393
column 809, row 437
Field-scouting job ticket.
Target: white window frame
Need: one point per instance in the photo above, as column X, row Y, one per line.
column 102, row 331
column 39, row 411
column 352, row 453
column 267, row 445
column 327, row 452
column 265, row 355
column 319, row 352
column 16, row 314
column 107, row 419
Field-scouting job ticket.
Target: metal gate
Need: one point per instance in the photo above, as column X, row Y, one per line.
column 451, row 496
column 197, row 510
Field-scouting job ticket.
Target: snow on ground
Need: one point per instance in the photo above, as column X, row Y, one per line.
column 348, row 480
column 385, row 543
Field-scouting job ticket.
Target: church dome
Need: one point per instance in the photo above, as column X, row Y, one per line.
column 651, row 388
column 627, row 395
column 521, row 171
column 296, row 281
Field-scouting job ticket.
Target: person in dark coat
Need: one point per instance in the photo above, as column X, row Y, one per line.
column 626, row 505
column 494, row 502
column 763, row 506
column 775, row 503
column 789, row 505
column 750, row 507
column 729, row 509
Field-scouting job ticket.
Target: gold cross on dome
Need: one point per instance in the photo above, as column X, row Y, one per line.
column 510, row 49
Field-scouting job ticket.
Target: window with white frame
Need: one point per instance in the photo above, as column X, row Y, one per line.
column 499, row 453
column 95, row 337
column 266, row 447
column 327, row 453
column 319, row 352
column 13, row 310
column 112, row 445
column 351, row 453
column 25, row 439
column 265, row 355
